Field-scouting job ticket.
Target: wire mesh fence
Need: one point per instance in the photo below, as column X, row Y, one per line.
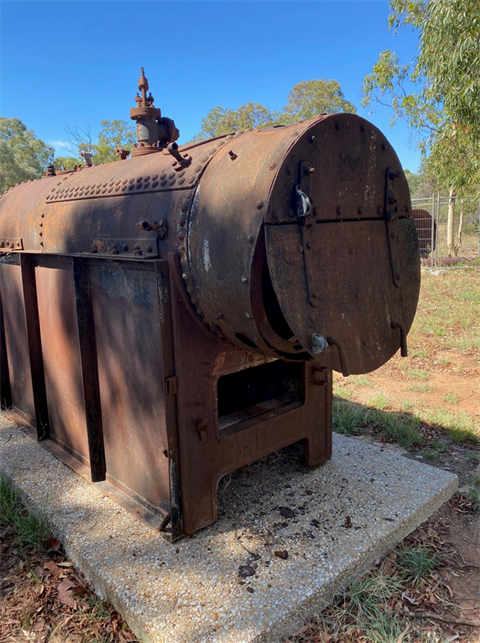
column 431, row 216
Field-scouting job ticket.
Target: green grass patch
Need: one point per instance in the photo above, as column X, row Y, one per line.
column 464, row 343
column 474, row 497
column 350, row 418
column 460, row 425
column 417, row 374
column 407, row 405
column 443, row 360
column 452, row 398
column 378, row 401
column 343, row 392
column 361, row 380
column 418, row 353
column 437, row 447
column 32, row 527
column 476, row 479
column 472, row 456
column 421, row 388
column 417, row 562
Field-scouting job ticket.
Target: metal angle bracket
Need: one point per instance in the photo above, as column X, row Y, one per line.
column 306, row 223
column 391, row 215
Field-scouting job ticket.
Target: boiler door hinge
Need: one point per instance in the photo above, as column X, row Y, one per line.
column 171, row 385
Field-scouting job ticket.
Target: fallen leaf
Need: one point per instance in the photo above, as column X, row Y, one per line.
column 79, row 590
column 53, row 567
column 282, row 554
column 53, row 544
column 39, row 625
column 64, row 594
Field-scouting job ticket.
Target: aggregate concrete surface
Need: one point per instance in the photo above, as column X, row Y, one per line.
column 333, row 522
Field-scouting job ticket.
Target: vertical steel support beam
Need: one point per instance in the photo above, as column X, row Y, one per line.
column 88, row 356
column 5, row 390
column 166, row 290
column 29, row 284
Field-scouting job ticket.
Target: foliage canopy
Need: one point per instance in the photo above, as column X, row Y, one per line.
column 307, row 99
column 438, row 92
column 23, row 156
column 116, row 133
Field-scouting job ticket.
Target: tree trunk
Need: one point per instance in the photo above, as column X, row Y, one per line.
column 460, row 228
column 450, row 228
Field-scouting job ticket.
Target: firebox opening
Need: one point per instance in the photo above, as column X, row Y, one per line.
column 274, row 387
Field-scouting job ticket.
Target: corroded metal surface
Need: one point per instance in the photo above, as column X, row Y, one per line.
column 174, row 316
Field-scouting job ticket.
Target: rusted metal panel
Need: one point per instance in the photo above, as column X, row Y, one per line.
column 61, row 357
column 18, row 361
column 5, row 389
column 131, row 378
column 89, row 366
column 29, row 283
column 357, row 297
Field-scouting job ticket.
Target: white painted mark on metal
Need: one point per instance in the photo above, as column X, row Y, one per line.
column 206, row 255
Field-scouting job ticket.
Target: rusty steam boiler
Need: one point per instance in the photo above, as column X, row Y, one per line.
column 174, row 316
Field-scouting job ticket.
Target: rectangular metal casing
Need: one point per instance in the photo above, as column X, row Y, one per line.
column 105, row 360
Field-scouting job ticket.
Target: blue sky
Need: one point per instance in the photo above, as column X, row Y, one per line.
column 69, row 64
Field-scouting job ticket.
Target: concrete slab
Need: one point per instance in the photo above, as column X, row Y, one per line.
column 191, row 591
